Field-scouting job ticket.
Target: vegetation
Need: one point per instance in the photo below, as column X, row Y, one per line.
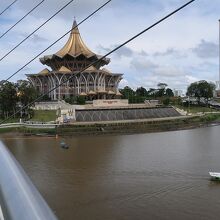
column 143, row 126
column 14, row 97
column 71, row 100
column 8, row 99
column 44, row 115
column 141, row 94
column 26, row 93
column 81, row 100
column 195, row 108
column 201, row 89
column 162, row 85
column 210, row 118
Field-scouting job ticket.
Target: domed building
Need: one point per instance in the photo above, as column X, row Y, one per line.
column 69, row 65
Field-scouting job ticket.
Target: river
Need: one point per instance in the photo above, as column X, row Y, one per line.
column 125, row 177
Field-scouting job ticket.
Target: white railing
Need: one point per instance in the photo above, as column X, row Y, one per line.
column 19, row 199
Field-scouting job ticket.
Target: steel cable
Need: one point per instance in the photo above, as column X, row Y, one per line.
column 109, row 53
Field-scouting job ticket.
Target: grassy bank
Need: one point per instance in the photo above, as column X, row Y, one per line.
column 195, row 109
column 44, row 115
column 140, row 126
column 215, row 117
column 128, row 127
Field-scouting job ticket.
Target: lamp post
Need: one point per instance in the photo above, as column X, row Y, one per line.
column 19, row 95
column 188, row 104
column 219, row 58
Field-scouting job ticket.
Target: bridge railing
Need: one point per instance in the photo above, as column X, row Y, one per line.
column 19, row 198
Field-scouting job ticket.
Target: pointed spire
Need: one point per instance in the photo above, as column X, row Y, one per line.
column 75, row 29
column 75, row 45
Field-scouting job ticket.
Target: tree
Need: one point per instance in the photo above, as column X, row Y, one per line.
column 8, row 99
column 169, row 92
column 141, row 91
column 81, row 100
column 162, row 85
column 166, row 101
column 127, row 92
column 45, row 98
column 160, row 93
column 26, row 94
column 201, row 89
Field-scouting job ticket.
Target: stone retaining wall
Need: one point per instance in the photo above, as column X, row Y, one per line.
column 120, row 114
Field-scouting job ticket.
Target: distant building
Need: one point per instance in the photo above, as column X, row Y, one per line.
column 216, row 93
column 177, row 93
column 93, row 82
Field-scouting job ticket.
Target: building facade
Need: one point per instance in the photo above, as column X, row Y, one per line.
column 78, row 70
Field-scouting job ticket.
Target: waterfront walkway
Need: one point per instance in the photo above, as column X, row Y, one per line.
column 29, row 125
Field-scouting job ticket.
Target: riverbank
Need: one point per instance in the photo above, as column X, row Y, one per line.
column 140, row 126
column 121, row 127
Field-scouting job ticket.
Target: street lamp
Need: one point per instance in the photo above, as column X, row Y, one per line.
column 219, row 57
column 19, row 94
column 188, row 104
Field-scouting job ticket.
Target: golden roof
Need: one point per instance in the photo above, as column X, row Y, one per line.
column 92, row 92
column 75, row 45
column 44, row 71
column 91, row 68
column 74, row 48
column 118, row 93
column 110, row 92
column 64, row 69
column 83, row 94
column 106, row 70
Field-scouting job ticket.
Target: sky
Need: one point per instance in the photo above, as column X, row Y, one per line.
column 179, row 51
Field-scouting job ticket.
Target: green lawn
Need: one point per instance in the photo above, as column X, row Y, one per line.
column 196, row 109
column 217, row 100
column 44, row 115
column 11, row 120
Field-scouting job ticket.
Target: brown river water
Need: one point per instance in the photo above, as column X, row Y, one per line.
column 140, row 176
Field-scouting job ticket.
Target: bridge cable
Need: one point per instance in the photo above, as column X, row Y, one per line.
column 3, row 81
column 36, row 29
column 95, row 62
column 21, row 19
column 8, row 7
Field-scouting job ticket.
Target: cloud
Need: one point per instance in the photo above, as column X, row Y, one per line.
column 143, row 53
column 124, row 83
column 122, row 52
column 170, row 52
column 143, row 65
column 161, row 70
column 191, row 79
column 37, row 38
column 76, row 8
column 169, row 71
column 206, row 49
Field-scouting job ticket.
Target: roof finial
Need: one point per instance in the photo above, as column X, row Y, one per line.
column 75, row 29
